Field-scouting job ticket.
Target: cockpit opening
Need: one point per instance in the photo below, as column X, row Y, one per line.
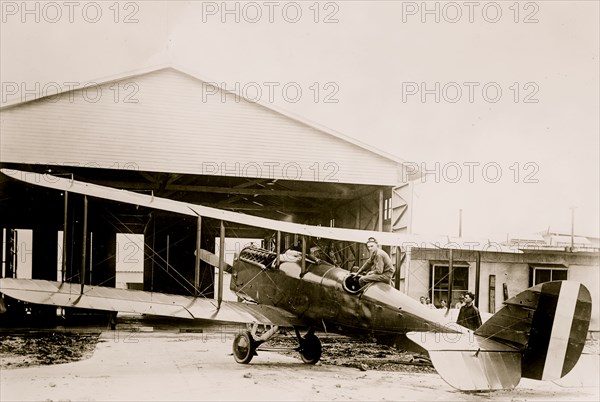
column 351, row 285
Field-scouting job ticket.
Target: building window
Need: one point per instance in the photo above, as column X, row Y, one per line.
column 547, row 274
column 387, row 208
column 439, row 282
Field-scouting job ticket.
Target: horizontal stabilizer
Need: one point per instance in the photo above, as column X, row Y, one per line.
column 140, row 302
column 469, row 362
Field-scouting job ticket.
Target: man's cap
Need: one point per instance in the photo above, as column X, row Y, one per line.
column 371, row 240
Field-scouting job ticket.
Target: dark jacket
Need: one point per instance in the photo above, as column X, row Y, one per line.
column 469, row 317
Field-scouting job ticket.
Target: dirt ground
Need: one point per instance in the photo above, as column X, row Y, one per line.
column 155, row 363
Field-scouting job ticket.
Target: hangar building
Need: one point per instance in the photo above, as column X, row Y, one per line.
column 169, row 133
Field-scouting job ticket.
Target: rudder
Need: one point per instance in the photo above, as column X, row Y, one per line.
column 548, row 323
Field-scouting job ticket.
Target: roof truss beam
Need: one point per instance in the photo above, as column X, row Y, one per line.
column 268, row 192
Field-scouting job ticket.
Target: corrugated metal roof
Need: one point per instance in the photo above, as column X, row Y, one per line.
column 566, row 240
column 168, row 124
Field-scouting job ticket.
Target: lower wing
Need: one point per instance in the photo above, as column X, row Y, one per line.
column 137, row 301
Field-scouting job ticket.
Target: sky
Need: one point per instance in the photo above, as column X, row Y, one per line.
column 497, row 102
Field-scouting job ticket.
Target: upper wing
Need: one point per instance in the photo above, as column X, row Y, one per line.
column 137, row 301
column 352, row 235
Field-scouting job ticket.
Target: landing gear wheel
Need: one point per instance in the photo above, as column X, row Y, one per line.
column 310, row 349
column 244, row 347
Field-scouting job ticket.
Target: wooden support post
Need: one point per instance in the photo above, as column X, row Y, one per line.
column 380, row 220
column 65, row 234
column 197, row 262
column 84, row 243
column 221, row 264
column 91, row 259
column 407, row 257
column 14, row 253
column 492, row 295
column 153, row 253
column 398, row 267
column 9, row 249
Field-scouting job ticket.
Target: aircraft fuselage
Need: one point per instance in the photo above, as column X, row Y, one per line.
column 319, row 297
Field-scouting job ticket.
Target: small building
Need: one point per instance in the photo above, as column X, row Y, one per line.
column 495, row 271
column 564, row 239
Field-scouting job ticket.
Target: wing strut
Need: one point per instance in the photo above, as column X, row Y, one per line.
column 278, row 247
column 303, row 271
column 221, row 264
column 450, row 278
column 84, row 251
column 477, row 276
column 64, row 239
column 197, row 264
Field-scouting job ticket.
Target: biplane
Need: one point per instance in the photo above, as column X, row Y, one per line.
column 539, row 333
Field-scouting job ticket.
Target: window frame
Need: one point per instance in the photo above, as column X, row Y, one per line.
column 435, row 292
column 535, row 268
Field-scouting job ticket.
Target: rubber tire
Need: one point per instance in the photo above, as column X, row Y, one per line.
column 244, row 347
column 310, row 349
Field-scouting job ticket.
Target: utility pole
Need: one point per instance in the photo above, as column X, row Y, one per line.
column 572, row 228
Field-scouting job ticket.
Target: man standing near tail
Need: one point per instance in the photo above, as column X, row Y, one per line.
column 469, row 314
column 379, row 265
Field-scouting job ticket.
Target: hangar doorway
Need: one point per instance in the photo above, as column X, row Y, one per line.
column 17, row 252
column 129, row 261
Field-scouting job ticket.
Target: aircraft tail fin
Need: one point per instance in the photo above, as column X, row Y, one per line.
column 538, row 334
column 548, row 323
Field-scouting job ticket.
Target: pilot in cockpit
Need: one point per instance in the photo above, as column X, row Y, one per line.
column 379, row 266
